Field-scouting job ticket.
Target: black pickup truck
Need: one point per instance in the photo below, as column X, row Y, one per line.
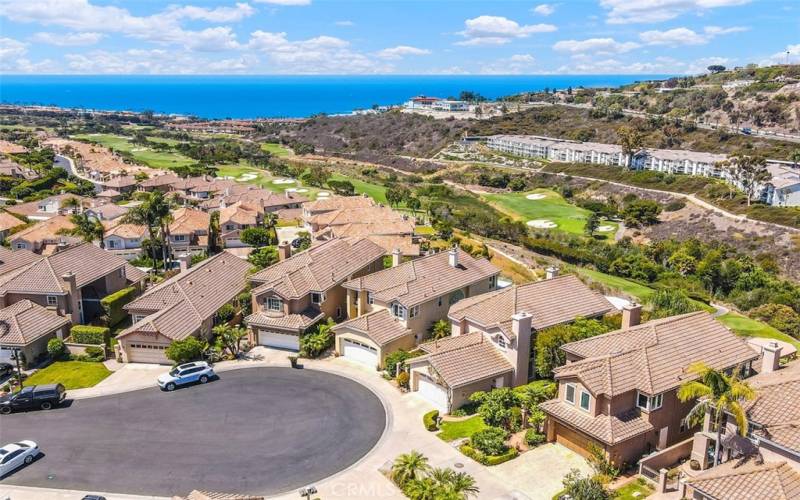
column 34, row 397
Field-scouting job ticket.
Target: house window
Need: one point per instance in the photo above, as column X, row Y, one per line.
column 649, row 403
column 52, row 300
column 585, row 398
column 111, row 243
column 569, row 394
column 122, row 272
column 317, row 298
column 501, row 341
column 456, row 296
column 179, row 237
column 138, row 317
column 230, row 227
column 414, row 312
column 338, row 312
column 440, row 302
column 492, row 281
column 642, row 401
column 274, row 304
column 398, row 311
column 20, row 246
column 370, row 298
column 656, row 401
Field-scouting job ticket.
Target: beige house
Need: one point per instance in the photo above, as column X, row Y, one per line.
column 124, row 240
column 234, row 219
column 503, row 323
column 46, row 208
column 26, row 327
column 188, row 231
column 618, row 391
column 161, row 183
column 182, row 306
column 334, row 203
column 70, row 283
column 299, row 291
column 394, row 308
column 44, row 237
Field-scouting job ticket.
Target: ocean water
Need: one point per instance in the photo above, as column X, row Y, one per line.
column 270, row 96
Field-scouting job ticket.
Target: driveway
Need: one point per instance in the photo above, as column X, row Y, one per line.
column 262, row 430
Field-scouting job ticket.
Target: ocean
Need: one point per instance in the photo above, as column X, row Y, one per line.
column 270, row 96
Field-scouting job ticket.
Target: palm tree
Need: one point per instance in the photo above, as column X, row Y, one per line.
column 161, row 212
column 85, row 228
column 440, row 329
column 718, row 394
column 408, row 467
column 462, row 484
column 146, row 215
column 270, row 221
column 425, row 489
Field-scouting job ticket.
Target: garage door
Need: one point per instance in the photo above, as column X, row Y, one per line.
column 433, row 392
column 147, row 353
column 360, row 352
column 573, row 440
column 279, row 340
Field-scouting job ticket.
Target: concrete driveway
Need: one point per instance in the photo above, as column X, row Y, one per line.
column 262, row 430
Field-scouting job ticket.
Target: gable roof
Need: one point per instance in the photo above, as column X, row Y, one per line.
column 610, row 429
column 108, row 211
column 129, row 231
column 317, row 269
column 23, row 322
column 31, row 208
column 339, row 203
column 160, row 180
column 188, row 220
column 464, row 359
column 239, row 213
column 653, row 357
column 776, row 481
column 14, row 259
column 8, row 221
column 422, row 279
column 47, row 229
column 119, row 182
column 775, row 411
column 380, row 326
column 549, row 302
column 364, row 215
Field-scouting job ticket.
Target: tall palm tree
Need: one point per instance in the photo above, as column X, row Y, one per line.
column 718, row 394
column 86, row 228
column 161, row 212
column 142, row 215
column 409, row 466
column 270, row 221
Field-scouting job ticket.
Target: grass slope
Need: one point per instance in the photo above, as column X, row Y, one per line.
column 748, row 327
column 275, row 149
column 73, row 374
column 143, row 155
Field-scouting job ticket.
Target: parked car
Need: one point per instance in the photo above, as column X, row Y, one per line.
column 14, row 455
column 34, row 397
column 6, row 369
column 187, row 373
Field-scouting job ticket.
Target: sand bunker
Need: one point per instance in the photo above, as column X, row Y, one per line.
column 301, row 190
column 536, row 196
column 605, row 229
column 323, row 194
column 247, row 177
column 542, row 224
column 283, row 181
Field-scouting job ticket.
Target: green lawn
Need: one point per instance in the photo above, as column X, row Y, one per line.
column 628, row 492
column 73, row 374
column 554, row 208
column 748, row 327
column 462, row 429
column 374, row 191
column 146, row 156
column 275, row 149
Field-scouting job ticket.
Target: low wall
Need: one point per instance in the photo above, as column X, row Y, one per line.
column 668, row 457
column 80, row 349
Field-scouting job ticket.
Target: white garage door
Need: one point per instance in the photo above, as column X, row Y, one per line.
column 361, row 352
column 147, row 353
column 279, row 340
column 433, row 392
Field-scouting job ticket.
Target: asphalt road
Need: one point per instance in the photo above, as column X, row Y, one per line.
column 255, row 430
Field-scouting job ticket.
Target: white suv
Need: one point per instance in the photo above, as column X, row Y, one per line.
column 15, row 455
column 198, row 371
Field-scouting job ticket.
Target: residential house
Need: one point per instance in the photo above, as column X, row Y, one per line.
column 10, row 168
column 233, row 219
column 200, row 188
column 391, row 235
column 121, row 183
column 493, row 338
column 107, row 212
column 332, row 203
column 7, row 223
column 8, row 147
column 259, row 197
column 188, row 231
column 124, row 240
column 783, row 188
column 161, row 183
column 108, row 196
column 299, row 291
column 618, row 391
column 182, row 306
column 45, row 237
column 26, row 329
column 11, row 260
column 394, row 308
column 46, row 208
column 70, row 282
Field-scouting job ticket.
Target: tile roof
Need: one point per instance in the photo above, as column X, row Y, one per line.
column 776, row 412
column 259, row 196
column 108, row 211
column 160, row 180
column 419, row 280
column 775, row 481
column 653, row 357
column 368, row 215
column 189, row 220
column 296, row 321
column 48, row 229
column 23, row 322
column 108, row 193
column 129, row 231
column 11, row 147
column 610, row 429
column 239, row 213
column 318, row 269
column 14, row 259
column 338, row 203
column 32, row 207
column 369, row 228
column 464, row 359
column 8, row 221
column 550, row 302
column 380, row 326
column 119, row 182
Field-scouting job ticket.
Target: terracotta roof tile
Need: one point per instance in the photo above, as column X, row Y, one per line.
column 380, row 326
column 188, row 220
column 23, row 322
column 14, row 259
column 8, row 221
column 298, row 321
column 338, row 203
column 610, row 429
column 775, row 481
column 464, row 359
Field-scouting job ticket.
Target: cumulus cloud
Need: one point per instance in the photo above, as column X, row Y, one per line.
column 514, row 65
column 544, row 9
column 67, row 39
column 685, row 36
column 653, row 11
column 602, row 46
column 781, row 57
column 10, row 48
column 497, row 30
column 215, row 15
column 401, row 51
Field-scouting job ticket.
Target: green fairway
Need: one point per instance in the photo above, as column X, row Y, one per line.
column 551, row 207
column 275, row 149
column 246, row 173
column 374, row 191
column 141, row 154
column 748, row 327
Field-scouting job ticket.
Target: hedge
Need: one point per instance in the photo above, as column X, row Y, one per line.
column 112, row 304
column 488, row 460
column 429, row 420
column 83, row 334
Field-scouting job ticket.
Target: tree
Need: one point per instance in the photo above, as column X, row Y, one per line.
column 440, row 329
column 641, row 213
column 413, row 203
column 56, row 348
column 183, row 351
column 795, row 157
column 317, row 175
column 229, row 338
column 495, row 406
column 592, row 223
column 490, row 441
column 155, row 214
column 313, row 344
column 342, row 188
column 716, row 393
column 263, row 257
column 584, row 487
column 716, row 68
column 549, row 341
column 779, row 316
column 748, row 172
column 408, row 467
column 85, row 228
column 669, row 302
column 256, row 237
column 396, row 195
column 631, row 141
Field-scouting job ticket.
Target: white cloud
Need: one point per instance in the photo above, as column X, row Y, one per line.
column 215, row 15
column 514, row 65
column 595, row 46
column 67, row 39
column 10, row 48
column 544, row 9
column 685, row 36
column 345, row 23
column 12, row 58
column 285, row 2
column 781, row 57
column 653, row 11
column 401, row 51
column 497, row 30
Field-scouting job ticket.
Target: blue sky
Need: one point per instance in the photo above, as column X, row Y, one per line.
column 384, row 36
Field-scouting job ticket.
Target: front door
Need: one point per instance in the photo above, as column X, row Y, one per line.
column 662, row 438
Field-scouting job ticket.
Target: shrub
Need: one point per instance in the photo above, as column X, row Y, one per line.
column 468, row 408
column 674, row 206
column 112, row 304
column 84, row 334
column 256, row 237
column 313, row 344
column 488, row 460
column 403, row 379
column 490, row 441
column 95, row 353
column 225, row 313
column 56, row 348
column 430, row 420
column 534, row 438
column 183, row 351
column 395, row 360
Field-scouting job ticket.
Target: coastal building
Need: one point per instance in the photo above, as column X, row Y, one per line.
column 436, row 103
column 234, row 219
column 783, row 189
column 188, row 231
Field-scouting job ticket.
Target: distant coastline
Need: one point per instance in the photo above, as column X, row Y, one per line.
column 244, row 97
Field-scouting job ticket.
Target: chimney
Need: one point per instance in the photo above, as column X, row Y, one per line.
column 631, row 315
column 521, row 328
column 185, row 262
column 71, row 282
column 771, row 359
column 284, row 250
column 453, row 257
column 551, row 272
column 397, row 257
